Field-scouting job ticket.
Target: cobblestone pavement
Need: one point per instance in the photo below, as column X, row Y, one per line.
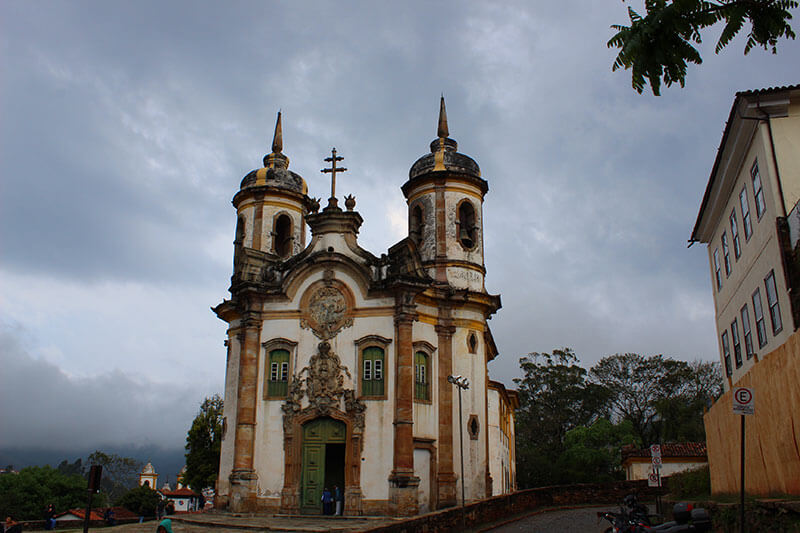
column 582, row 520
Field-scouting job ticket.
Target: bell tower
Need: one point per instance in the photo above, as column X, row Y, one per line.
column 444, row 193
column 271, row 205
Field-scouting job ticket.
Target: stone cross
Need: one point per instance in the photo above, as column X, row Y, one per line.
column 333, row 170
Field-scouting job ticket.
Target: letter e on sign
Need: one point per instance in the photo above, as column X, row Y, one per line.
column 743, row 403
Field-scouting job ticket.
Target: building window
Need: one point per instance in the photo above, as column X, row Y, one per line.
column 761, row 329
column 748, row 336
column 472, row 342
column 726, row 254
column 282, row 235
column 726, row 351
column 371, row 352
column 737, row 246
column 717, row 273
column 422, row 376
column 748, row 228
column 772, row 302
column 372, row 379
column 737, row 346
column 466, row 224
column 417, row 224
column 758, row 191
column 473, row 427
column 278, row 384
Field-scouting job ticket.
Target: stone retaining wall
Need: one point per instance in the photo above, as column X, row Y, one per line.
column 507, row 505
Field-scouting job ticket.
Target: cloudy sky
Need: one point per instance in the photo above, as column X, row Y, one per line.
column 125, row 129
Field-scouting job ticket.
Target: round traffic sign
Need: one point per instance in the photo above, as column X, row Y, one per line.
column 743, row 396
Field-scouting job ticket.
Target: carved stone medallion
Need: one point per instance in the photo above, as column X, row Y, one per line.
column 327, row 311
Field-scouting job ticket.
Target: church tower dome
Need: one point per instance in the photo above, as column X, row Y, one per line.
column 445, row 194
column 272, row 204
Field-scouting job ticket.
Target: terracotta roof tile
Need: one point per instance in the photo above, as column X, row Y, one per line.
column 677, row 449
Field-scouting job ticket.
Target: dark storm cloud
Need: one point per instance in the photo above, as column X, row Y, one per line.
column 127, row 128
column 41, row 406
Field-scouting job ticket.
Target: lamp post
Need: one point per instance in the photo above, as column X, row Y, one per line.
column 463, row 384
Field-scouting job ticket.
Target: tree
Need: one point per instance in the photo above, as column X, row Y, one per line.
column 592, row 454
column 25, row 495
column 663, row 398
column 658, row 46
column 555, row 397
column 140, row 500
column 120, row 474
column 203, row 444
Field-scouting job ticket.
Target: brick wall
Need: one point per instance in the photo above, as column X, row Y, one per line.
column 504, row 506
column 772, row 462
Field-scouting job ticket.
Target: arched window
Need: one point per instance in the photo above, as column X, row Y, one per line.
column 372, row 378
column 466, row 224
column 282, row 235
column 417, row 223
column 472, row 342
column 422, row 385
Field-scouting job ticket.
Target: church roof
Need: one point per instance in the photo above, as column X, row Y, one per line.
column 275, row 172
column 443, row 154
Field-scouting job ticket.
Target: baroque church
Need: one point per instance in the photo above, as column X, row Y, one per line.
column 361, row 371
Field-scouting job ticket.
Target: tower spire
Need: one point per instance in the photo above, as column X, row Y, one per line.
column 443, row 132
column 276, row 159
column 277, row 138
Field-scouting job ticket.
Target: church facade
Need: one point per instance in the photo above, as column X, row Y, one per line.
column 338, row 360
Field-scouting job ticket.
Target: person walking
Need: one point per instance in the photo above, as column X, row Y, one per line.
column 338, row 498
column 50, row 517
column 327, row 502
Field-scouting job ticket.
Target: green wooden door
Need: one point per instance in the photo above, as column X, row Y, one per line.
column 316, row 435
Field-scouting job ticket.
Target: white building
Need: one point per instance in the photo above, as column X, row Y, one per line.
column 750, row 221
column 338, row 359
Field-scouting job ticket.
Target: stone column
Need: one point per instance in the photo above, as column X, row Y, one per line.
column 403, row 483
column 445, row 477
column 243, row 477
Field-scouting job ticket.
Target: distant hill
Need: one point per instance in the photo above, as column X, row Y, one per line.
column 167, row 461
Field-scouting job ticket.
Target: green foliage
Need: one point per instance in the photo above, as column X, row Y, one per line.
column 203, row 444
column 140, row 500
column 694, row 484
column 661, row 397
column 120, row 474
column 555, row 397
column 592, row 454
column 25, row 496
column 658, row 46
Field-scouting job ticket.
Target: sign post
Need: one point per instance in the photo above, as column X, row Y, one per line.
column 655, row 456
column 95, row 473
column 743, row 404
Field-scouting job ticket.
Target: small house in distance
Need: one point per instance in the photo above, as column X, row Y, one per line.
column 677, row 457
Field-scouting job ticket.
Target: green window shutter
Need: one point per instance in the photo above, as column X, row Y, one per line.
column 421, row 379
column 372, row 372
column 278, row 385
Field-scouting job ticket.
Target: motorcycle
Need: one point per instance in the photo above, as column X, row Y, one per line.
column 633, row 518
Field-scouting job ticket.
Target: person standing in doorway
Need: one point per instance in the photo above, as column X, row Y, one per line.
column 327, row 502
column 338, row 498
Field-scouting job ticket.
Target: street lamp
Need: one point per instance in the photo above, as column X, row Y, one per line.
column 463, row 384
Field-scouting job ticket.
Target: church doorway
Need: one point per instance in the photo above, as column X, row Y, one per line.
column 323, row 461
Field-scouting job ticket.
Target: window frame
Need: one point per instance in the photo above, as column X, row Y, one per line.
column 726, row 353
column 737, row 345
column 473, row 231
column 362, row 345
column 289, row 238
column 737, row 245
column 717, row 269
column 726, row 254
column 774, row 306
column 758, row 190
column 758, row 315
column 269, row 347
column 747, row 332
column 429, row 374
column 744, row 203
